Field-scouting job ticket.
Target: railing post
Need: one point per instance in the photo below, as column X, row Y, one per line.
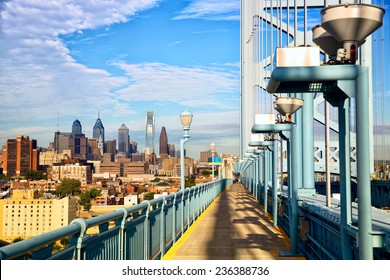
column 122, row 234
column 147, row 229
column 174, row 219
column 162, row 229
column 83, row 229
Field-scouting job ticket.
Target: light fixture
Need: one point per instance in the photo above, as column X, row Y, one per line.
column 186, row 119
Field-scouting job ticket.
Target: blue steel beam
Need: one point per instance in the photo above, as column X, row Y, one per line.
column 347, row 81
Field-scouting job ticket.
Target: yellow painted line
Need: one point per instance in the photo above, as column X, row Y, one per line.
column 172, row 251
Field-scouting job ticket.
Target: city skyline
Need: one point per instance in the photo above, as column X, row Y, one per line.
column 121, row 58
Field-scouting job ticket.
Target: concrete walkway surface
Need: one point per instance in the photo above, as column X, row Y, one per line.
column 233, row 227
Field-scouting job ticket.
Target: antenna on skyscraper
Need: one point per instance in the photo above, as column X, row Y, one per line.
column 58, row 121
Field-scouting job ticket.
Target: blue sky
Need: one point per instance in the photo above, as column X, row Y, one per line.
column 67, row 60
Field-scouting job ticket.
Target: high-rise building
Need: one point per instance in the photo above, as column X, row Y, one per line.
column 205, row 155
column 78, row 144
column 76, row 127
column 20, row 155
column 98, row 129
column 111, row 146
column 164, row 150
column 61, row 141
column 172, row 150
column 133, row 147
column 149, row 145
column 93, row 149
column 123, row 139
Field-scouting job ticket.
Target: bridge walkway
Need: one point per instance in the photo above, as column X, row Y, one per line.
column 233, row 227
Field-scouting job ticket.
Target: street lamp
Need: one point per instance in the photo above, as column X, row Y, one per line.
column 186, row 119
column 212, row 148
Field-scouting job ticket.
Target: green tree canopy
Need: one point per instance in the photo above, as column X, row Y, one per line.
column 189, row 182
column 4, row 177
column 149, row 196
column 34, row 175
column 86, row 197
column 142, row 190
column 68, row 187
column 156, row 180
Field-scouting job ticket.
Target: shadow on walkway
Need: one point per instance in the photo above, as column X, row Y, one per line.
column 232, row 228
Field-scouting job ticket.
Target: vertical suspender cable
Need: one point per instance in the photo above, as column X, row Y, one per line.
column 383, row 94
column 305, row 23
column 288, row 23
column 271, row 49
column 280, row 24
column 375, row 94
column 295, row 22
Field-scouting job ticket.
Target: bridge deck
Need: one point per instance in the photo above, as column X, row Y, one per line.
column 232, row 228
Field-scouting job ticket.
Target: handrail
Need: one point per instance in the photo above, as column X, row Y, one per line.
column 147, row 221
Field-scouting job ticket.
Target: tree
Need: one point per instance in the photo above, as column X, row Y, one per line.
column 206, row 173
column 17, row 239
column 85, row 197
column 68, row 187
column 190, row 181
column 149, row 196
column 3, row 177
column 87, row 206
column 155, row 180
column 34, row 175
column 142, row 190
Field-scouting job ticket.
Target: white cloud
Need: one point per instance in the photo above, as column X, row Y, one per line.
column 211, row 10
column 188, row 86
column 38, row 69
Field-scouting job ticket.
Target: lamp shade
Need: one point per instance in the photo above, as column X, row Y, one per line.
column 186, row 118
column 212, row 146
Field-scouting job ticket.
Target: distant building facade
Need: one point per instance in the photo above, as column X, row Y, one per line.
column 149, row 137
column 133, row 147
column 123, row 139
column 123, row 169
column 76, row 127
column 204, row 156
column 111, row 146
column 20, row 155
column 164, row 148
column 98, row 130
column 25, row 216
column 83, row 173
column 78, row 144
column 171, row 150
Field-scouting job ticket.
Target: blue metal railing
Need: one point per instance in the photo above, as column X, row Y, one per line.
column 142, row 232
column 319, row 229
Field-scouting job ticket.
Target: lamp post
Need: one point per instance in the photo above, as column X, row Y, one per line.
column 186, row 119
column 212, row 148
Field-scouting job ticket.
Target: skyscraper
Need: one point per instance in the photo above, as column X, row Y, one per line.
column 20, row 155
column 98, row 129
column 163, row 142
column 111, row 146
column 149, row 146
column 133, row 147
column 76, row 127
column 123, row 139
column 172, row 150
